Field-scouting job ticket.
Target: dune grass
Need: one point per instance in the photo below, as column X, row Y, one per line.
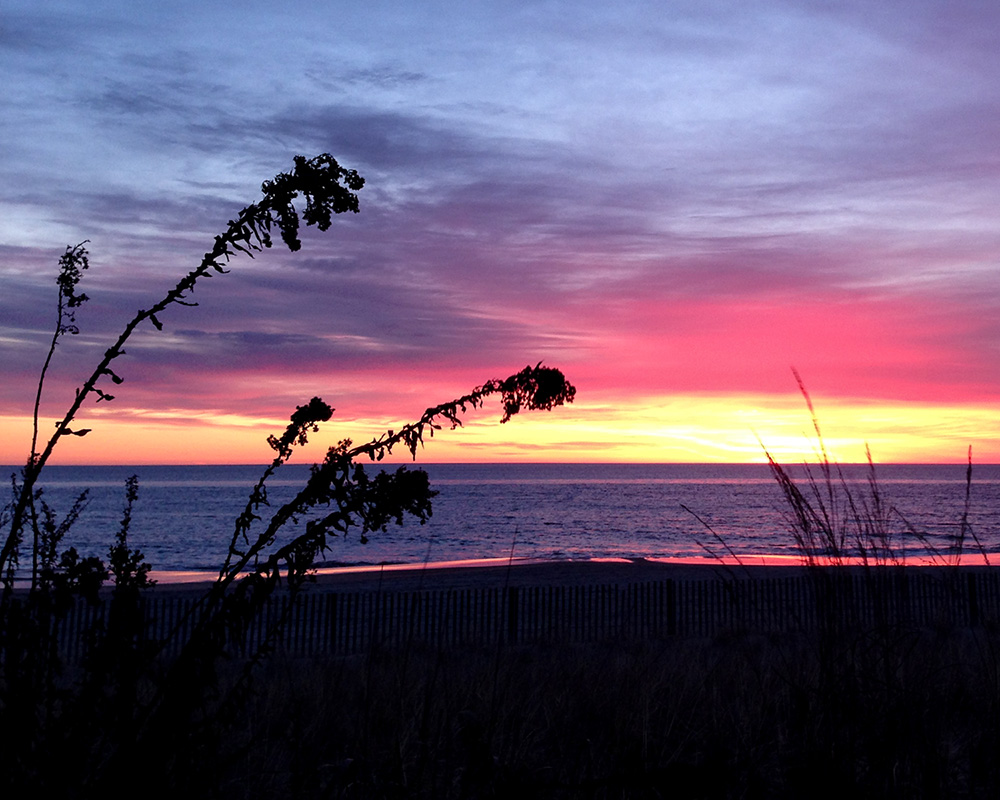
column 729, row 717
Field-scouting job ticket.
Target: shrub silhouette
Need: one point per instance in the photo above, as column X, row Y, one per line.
column 137, row 711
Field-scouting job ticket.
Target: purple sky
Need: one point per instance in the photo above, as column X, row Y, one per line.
column 673, row 202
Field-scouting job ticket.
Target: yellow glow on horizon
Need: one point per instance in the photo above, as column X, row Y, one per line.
column 737, row 430
column 679, row 429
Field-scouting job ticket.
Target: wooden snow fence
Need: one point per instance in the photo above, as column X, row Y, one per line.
column 328, row 622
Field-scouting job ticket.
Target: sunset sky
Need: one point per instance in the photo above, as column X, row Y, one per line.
column 675, row 203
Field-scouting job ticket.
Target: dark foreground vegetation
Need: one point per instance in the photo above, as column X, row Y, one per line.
column 890, row 714
column 886, row 708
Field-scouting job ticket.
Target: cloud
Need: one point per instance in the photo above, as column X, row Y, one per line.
column 685, row 201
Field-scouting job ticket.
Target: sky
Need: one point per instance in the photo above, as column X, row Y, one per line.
column 676, row 203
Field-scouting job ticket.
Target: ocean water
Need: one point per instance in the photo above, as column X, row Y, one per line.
column 184, row 516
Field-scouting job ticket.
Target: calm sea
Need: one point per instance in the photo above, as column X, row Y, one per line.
column 184, row 516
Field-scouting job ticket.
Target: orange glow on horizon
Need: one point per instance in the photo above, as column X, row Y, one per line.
column 672, row 429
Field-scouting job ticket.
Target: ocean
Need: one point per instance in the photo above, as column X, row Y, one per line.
column 184, row 516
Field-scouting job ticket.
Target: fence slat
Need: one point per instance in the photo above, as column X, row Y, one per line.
column 350, row 622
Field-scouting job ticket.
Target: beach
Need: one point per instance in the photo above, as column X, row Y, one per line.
column 498, row 573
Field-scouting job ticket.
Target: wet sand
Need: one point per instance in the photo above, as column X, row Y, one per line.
column 501, row 572
column 529, row 573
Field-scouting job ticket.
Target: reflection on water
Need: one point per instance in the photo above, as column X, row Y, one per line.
column 184, row 516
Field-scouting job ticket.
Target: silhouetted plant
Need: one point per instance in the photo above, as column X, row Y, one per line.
column 327, row 189
column 876, row 702
column 339, row 497
column 133, row 706
column 835, row 522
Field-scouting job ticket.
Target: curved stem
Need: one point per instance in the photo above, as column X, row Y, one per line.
column 318, row 179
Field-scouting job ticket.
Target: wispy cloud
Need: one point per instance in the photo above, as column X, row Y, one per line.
column 675, row 199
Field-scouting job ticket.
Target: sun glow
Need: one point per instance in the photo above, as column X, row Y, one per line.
column 679, row 429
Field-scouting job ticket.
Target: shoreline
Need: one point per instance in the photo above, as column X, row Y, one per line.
column 500, row 572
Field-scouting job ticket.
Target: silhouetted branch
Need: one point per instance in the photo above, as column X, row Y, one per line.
column 327, row 188
column 341, row 482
